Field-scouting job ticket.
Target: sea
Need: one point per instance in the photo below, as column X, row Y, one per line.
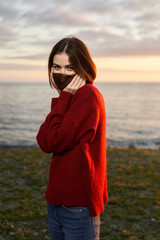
column 132, row 113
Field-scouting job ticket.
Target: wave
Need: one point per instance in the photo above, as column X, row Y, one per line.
column 140, row 144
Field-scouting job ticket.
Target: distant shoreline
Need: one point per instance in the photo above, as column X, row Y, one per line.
column 9, row 147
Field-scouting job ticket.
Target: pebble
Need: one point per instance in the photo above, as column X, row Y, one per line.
column 153, row 220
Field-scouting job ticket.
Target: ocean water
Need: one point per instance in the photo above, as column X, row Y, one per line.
column 132, row 110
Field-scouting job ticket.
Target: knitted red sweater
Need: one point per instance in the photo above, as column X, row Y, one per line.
column 75, row 132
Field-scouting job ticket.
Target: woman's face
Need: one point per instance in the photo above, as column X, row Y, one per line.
column 61, row 64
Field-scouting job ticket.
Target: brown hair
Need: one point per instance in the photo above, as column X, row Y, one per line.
column 79, row 57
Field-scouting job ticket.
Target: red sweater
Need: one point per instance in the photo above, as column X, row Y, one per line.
column 75, row 132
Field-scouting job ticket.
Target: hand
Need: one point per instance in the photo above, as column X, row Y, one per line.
column 96, row 224
column 76, row 83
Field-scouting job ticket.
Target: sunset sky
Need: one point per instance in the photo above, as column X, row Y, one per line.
column 123, row 37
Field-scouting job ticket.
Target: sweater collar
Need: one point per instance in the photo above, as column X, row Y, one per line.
column 54, row 100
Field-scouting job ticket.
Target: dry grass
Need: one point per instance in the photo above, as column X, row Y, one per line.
column 134, row 196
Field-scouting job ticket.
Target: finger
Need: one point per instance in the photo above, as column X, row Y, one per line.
column 81, row 82
column 77, row 80
column 74, row 81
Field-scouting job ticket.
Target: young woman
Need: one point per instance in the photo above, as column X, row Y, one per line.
column 75, row 132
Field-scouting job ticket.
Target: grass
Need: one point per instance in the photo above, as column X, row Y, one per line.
column 133, row 185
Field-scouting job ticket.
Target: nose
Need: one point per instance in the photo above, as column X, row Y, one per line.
column 63, row 70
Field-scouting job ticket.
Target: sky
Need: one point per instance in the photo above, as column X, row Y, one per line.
column 123, row 37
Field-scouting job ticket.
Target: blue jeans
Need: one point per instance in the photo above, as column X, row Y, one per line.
column 70, row 223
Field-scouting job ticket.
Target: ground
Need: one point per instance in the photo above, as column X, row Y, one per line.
column 133, row 186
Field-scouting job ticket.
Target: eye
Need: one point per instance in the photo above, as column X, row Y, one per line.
column 70, row 68
column 56, row 67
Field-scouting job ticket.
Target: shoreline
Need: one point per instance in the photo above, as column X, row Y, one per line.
column 108, row 147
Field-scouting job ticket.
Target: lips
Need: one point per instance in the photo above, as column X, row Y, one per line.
column 62, row 80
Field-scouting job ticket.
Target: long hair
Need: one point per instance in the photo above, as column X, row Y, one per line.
column 79, row 57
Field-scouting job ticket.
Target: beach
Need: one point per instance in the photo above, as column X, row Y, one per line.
column 133, row 186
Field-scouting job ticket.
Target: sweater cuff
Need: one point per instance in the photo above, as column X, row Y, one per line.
column 62, row 102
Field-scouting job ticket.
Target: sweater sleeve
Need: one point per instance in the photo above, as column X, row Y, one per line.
column 67, row 123
column 94, row 177
column 58, row 109
column 94, row 167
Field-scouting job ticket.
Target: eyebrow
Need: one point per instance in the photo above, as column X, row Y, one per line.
column 69, row 65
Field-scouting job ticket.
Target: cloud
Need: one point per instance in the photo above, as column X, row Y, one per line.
column 114, row 70
column 39, row 56
column 33, row 13
column 64, row 16
column 108, row 44
column 109, row 28
column 7, row 12
column 6, row 35
column 17, row 66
